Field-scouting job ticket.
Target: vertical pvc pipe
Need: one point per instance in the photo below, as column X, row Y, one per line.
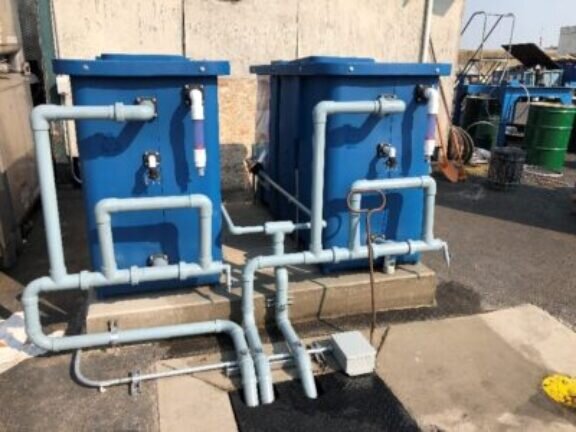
column 299, row 353
column 261, row 362
column 49, row 204
column 318, row 145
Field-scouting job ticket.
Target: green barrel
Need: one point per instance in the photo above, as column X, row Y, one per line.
column 548, row 134
column 480, row 118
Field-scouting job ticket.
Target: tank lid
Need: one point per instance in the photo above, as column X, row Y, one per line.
column 134, row 65
column 328, row 65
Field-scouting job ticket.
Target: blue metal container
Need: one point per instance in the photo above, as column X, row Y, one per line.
column 351, row 141
column 113, row 156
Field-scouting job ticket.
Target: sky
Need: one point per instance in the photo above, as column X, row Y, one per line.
column 535, row 19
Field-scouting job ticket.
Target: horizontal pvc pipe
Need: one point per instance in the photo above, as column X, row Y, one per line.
column 266, row 228
column 322, row 110
column 239, row 230
column 43, row 114
column 34, row 330
column 39, row 119
column 425, row 182
column 107, row 206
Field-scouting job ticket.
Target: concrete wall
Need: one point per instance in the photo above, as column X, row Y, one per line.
column 249, row 32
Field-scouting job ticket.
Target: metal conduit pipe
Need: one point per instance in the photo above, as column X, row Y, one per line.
column 380, row 106
column 107, row 206
column 425, row 182
column 39, row 120
column 297, row 349
column 34, row 330
column 231, row 366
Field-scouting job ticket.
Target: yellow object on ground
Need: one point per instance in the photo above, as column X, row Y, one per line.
column 561, row 389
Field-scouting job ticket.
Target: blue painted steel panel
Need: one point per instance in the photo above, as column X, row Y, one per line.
column 351, row 142
column 111, row 159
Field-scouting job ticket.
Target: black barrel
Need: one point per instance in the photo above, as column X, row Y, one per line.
column 506, row 164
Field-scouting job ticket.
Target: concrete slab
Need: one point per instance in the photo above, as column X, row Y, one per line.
column 314, row 294
column 481, row 373
column 475, row 373
column 188, row 404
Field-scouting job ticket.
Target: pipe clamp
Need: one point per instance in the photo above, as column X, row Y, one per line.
column 119, row 112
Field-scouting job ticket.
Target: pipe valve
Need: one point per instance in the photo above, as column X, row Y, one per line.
column 388, row 152
column 151, row 160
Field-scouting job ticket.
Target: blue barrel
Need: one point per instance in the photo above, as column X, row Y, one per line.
column 115, row 157
column 352, row 141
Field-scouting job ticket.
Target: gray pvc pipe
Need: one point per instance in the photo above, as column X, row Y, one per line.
column 267, row 228
column 39, row 119
column 322, row 110
column 37, row 336
column 107, row 206
column 239, row 230
column 231, row 366
column 425, row 182
column 301, row 356
column 325, row 256
column 261, row 362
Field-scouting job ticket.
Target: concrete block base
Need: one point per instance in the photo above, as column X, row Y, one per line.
column 313, row 296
